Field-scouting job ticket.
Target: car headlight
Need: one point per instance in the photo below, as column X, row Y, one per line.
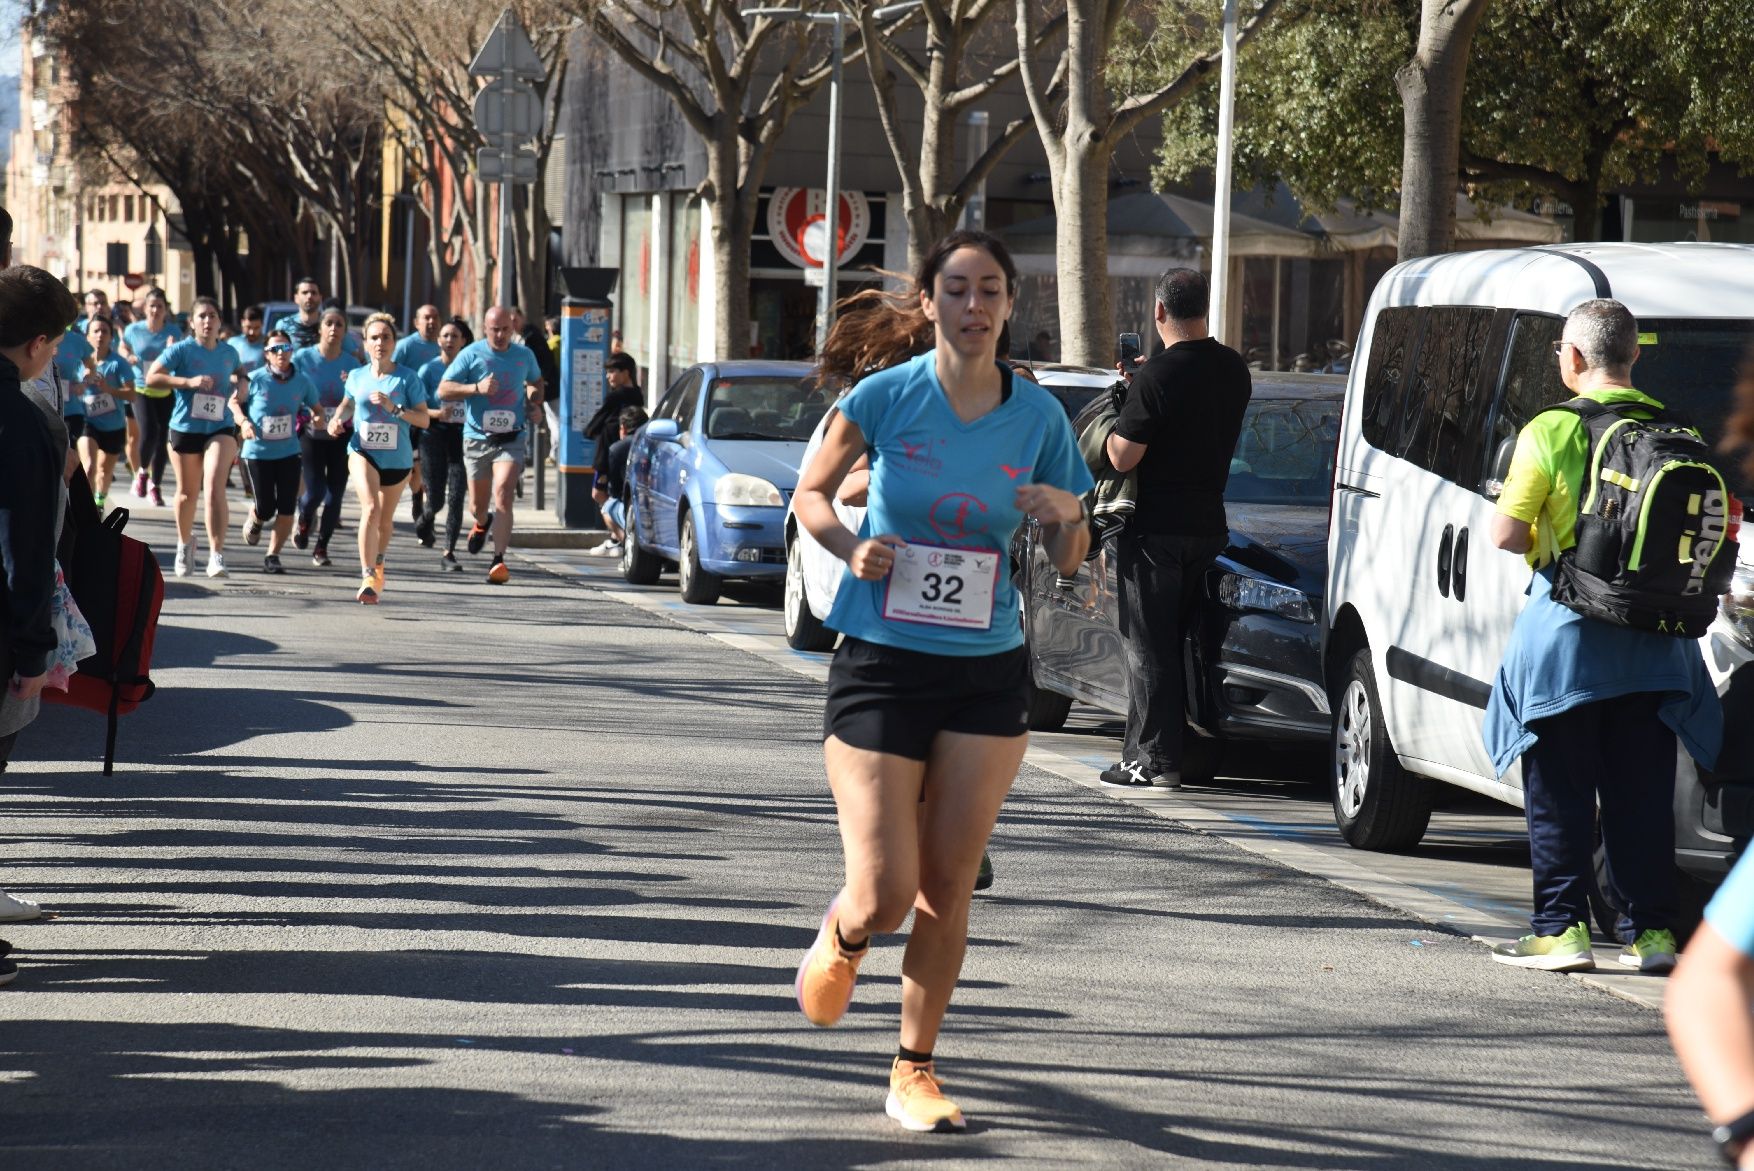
column 745, row 491
column 1251, row 593
column 1738, row 604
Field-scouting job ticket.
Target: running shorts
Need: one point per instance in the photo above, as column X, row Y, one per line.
column 883, row 699
column 108, row 442
column 387, row 477
column 195, row 442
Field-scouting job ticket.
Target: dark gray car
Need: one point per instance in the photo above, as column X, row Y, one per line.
column 1254, row 655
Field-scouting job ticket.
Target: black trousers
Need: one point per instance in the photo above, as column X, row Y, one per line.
column 276, row 486
column 325, row 473
column 441, row 463
column 1621, row 750
column 155, row 434
column 1159, row 581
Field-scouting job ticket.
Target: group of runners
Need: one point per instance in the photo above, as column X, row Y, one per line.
column 306, row 406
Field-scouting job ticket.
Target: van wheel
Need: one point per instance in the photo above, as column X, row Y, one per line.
column 638, row 566
column 804, row 630
column 699, row 588
column 1378, row 805
column 1048, row 710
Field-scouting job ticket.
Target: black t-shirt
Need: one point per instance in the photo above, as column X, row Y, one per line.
column 605, row 424
column 615, row 467
column 1186, row 404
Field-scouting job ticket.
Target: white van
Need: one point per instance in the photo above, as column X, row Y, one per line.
column 1456, row 355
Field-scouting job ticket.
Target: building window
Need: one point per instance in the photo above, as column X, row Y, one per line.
column 128, row 208
column 115, row 207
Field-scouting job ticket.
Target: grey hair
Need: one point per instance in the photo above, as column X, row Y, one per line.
column 1604, row 332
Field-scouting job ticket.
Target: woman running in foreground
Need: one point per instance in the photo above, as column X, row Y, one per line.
column 926, row 716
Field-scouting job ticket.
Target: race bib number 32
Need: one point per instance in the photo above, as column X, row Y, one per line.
column 934, row 586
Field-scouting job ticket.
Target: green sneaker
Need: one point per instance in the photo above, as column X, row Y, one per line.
column 1568, row 952
column 984, row 879
column 1652, row 951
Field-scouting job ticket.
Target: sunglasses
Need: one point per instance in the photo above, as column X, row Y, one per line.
column 1559, row 347
column 279, row 348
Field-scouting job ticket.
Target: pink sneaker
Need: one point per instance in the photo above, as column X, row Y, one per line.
column 157, row 497
column 139, row 489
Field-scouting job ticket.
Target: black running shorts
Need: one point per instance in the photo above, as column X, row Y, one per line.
column 387, row 477
column 108, row 442
column 894, row 701
column 196, row 442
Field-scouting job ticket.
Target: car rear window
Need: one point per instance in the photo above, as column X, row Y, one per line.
column 764, row 408
column 1285, row 454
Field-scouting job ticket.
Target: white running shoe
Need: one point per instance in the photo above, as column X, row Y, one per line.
column 216, row 565
column 16, row 910
column 183, row 557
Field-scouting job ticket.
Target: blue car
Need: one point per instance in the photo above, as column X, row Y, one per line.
column 709, row 477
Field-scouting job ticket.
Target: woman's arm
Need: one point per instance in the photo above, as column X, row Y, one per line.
column 1064, row 534
column 842, row 446
column 1711, row 1025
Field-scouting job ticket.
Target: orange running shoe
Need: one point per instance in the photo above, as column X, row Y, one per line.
column 368, row 594
column 918, row 1103
column 826, row 977
column 498, row 574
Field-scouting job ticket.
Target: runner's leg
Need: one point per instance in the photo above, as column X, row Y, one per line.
column 506, row 474
column 457, row 485
column 334, row 454
column 188, row 469
column 366, row 487
column 217, row 460
column 875, row 797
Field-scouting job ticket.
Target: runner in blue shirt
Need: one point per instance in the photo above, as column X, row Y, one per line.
column 932, row 677
column 441, row 448
column 203, row 438
column 267, row 409
column 302, row 327
column 142, row 343
column 384, row 400
column 421, row 346
column 499, row 383
column 73, row 363
column 327, row 364
column 249, row 343
column 102, row 393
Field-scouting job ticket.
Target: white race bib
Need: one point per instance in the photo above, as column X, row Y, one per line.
column 209, row 408
column 275, row 427
column 378, row 437
column 499, row 420
column 99, row 404
column 934, row 586
column 454, row 412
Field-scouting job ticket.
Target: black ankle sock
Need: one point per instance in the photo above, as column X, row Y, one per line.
column 850, row 947
column 906, row 1054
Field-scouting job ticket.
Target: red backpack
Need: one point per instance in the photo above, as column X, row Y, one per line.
column 119, row 588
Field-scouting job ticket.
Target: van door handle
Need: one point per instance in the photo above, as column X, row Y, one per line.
column 1461, row 566
column 1445, row 558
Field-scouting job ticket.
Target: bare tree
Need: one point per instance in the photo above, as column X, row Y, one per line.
column 935, row 185
column 1431, row 86
column 714, row 64
column 1084, row 106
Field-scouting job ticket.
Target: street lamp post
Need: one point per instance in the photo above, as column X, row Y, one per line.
column 831, row 218
column 1221, row 198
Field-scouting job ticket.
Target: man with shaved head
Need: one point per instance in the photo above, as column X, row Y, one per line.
column 498, row 382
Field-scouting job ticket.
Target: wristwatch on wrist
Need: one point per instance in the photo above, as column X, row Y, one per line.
column 1732, row 1137
column 396, row 409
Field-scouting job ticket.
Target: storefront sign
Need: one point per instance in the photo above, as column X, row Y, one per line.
column 797, row 221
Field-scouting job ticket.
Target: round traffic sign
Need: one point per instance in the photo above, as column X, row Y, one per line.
column 133, row 281
column 797, row 221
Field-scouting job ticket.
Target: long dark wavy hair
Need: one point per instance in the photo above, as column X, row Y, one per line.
column 875, row 329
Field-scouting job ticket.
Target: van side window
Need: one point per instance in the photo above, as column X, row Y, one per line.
column 1445, row 422
column 1391, row 347
column 1531, row 374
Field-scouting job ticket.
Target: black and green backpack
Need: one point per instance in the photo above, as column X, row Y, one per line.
column 1654, row 549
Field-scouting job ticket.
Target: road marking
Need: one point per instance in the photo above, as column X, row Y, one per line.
column 1483, row 920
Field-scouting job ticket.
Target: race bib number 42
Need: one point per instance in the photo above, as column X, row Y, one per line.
column 378, row 437
column 934, row 586
column 209, row 408
column 499, row 421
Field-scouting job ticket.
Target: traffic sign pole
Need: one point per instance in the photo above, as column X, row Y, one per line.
column 508, row 113
column 831, row 257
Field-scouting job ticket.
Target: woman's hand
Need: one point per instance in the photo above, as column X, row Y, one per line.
column 382, row 400
column 872, row 559
column 247, row 429
column 335, row 427
column 202, row 383
column 1049, row 505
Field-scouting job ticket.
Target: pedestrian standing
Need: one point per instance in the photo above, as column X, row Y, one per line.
column 142, row 343
column 1176, row 433
column 267, row 408
column 499, row 383
column 105, row 391
column 1592, row 708
column 621, row 390
column 304, row 325
column 926, row 719
column 441, row 447
column 35, row 311
column 324, row 458
column 383, row 400
column 203, row 439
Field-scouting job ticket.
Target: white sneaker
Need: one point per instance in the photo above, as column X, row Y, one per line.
column 183, row 557
column 216, row 565
column 15, row 910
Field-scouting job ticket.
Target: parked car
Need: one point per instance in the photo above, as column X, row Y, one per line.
column 710, row 476
column 1457, row 354
column 813, row 574
column 1254, row 655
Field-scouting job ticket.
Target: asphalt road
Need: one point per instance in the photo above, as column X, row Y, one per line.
column 519, row 877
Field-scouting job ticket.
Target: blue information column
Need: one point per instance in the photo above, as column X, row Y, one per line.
column 584, row 351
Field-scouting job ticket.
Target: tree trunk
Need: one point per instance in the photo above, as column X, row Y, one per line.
column 1431, row 87
column 1081, row 249
column 730, row 243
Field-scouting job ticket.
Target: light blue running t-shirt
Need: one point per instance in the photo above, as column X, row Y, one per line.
column 948, row 488
column 329, row 375
column 502, row 412
column 103, row 411
column 250, row 355
column 273, row 407
column 201, row 412
column 70, row 358
column 414, row 352
column 377, row 433
column 147, row 346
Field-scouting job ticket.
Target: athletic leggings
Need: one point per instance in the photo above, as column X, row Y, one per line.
column 441, row 462
column 325, row 468
column 155, row 433
column 276, row 486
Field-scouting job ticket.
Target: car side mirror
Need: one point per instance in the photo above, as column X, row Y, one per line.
column 1494, row 485
column 663, row 429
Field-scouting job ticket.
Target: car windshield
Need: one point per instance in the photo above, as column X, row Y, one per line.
column 764, row 408
column 1285, row 454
